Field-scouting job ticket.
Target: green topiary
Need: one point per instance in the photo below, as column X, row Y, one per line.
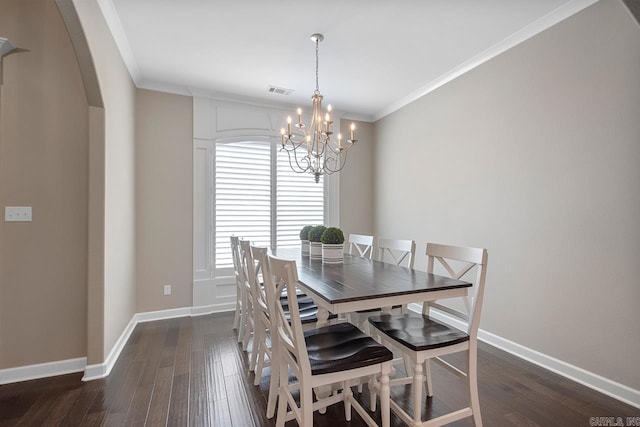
column 304, row 233
column 332, row 235
column 316, row 233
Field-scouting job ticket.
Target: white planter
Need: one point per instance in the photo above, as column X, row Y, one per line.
column 332, row 253
column 315, row 250
column 304, row 247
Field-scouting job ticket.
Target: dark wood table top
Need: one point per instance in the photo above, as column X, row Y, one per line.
column 360, row 279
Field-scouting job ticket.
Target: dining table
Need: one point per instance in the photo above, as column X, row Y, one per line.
column 359, row 284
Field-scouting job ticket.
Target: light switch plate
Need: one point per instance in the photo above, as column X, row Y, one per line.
column 17, row 213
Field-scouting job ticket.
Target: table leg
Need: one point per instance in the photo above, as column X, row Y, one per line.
column 323, row 317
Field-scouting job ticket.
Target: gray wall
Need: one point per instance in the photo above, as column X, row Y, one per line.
column 534, row 155
column 164, row 200
column 356, row 181
column 43, row 164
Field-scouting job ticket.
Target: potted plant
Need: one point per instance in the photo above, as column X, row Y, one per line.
column 332, row 246
column 315, row 245
column 304, row 239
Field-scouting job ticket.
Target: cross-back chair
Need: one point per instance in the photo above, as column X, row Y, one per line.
column 397, row 251
column 422, row 338
column 249, row 296
column 240, row 317
column 338, row 353
column 307, row 310
column 259, row 308
column 393, row 251
column 361, row 245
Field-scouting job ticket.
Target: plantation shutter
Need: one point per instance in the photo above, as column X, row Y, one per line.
column 260, row 198
column 300, row 202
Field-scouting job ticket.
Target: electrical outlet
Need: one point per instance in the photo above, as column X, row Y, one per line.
column 167, row 289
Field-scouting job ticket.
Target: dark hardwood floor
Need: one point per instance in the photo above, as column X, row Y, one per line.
column 191, row 371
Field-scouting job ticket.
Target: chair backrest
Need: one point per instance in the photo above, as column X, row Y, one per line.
column 259, row 258
column 250, row 273
column 361, row 245
column 399, row 252
column 279, row 275
column 235, row 256
column 458, row 262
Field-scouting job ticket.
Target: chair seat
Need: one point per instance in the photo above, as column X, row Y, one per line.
column 418, row 332
column 342, row 347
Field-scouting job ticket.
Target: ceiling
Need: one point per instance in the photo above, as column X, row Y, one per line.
column 376, row 57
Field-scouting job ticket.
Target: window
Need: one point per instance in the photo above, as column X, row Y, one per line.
column 259, row 197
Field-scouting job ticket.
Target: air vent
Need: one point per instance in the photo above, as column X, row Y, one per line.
column 279, row 90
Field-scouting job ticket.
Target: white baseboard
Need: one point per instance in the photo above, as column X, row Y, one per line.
column 151, row 316
column 42, row 370
column 213, row 308
column 101, row 370
column 594, row 381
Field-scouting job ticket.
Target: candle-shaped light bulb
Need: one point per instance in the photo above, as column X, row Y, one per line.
column 282, row 133
column 299, row 116
column 340, row 141
column 289, row 125
column 327, row 118
column 329, row 108
column 353, row 127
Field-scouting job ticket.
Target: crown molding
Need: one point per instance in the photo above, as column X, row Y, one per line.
column 552, row 18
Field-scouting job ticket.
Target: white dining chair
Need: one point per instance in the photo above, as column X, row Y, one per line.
column 393, row 251
column 260, row 323
column 248, row 295
column 268, row 296
column 360, row 245
column 423, row 338
column 239, row 319
column 339, row 353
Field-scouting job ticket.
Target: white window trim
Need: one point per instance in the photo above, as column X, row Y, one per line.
column 223, row 120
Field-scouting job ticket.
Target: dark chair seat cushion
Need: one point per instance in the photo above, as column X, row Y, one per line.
column 417, row 332
column 342, row 347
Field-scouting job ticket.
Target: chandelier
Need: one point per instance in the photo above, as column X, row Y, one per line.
column 311, row 149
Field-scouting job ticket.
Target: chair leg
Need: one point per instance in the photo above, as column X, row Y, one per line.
column 417, row 394
column 283, row 385
column 427, row 373
column 274, row 380
column 346, row 396
column 257, row 344
column 385, row 396
column 472, row 376
column 236, row 316
column 306, row 406
column 372, row 393
column 248, row 329
column 243, row 316
column 263, row 352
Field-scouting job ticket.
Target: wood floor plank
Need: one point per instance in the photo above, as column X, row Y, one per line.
column 160, row 397
column 192, row 371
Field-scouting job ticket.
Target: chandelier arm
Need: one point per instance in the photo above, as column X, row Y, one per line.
column 327, row 166
column 304, row 159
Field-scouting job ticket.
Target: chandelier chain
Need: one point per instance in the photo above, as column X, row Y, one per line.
column 317, row 86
